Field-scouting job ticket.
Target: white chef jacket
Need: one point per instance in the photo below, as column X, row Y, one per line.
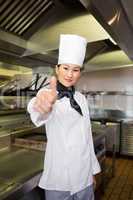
column 70, row 161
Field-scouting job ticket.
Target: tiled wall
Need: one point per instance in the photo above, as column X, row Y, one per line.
column 109, row 80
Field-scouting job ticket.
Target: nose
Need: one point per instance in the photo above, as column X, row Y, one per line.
column 70, row 73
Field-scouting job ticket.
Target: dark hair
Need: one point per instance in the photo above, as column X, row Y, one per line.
column 81, row 69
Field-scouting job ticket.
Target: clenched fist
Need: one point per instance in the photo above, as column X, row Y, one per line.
column 46, row 98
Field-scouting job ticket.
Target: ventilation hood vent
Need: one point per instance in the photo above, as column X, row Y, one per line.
column 17, row 16
column 39, row 47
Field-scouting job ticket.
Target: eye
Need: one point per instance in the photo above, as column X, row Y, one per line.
column 76, row 70
column 65, row 67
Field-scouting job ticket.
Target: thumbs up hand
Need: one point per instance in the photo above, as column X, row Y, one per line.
column 45, row 99
column 53, row 83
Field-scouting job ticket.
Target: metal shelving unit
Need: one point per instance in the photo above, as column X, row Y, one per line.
column 127, row 139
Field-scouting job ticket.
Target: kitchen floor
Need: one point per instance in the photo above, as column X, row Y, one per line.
column 120, row 187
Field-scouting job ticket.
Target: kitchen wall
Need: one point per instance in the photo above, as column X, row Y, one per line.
column 120, row 80
column 108, row 80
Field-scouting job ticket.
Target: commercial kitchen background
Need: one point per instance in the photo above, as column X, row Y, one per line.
column 29, row 36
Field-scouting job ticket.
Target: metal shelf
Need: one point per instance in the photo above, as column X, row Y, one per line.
column 94, row 93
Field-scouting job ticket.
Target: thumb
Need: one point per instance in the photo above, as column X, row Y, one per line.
column 53, row 83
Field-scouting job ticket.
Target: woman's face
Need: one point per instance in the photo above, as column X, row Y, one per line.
column 68, row 74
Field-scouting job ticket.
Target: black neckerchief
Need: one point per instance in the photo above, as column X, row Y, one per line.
column 69, row 93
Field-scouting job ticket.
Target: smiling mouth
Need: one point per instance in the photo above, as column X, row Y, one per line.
column 68, row 80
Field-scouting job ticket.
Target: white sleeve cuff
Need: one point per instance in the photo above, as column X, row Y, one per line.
column 96, row 167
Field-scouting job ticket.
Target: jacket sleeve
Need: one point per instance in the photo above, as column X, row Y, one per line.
column 95, row 164
column 37, row 118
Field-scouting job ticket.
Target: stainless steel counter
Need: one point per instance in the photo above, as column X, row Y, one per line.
column 12, row 111
column 21, row 167
column 123, row 135
column 20, row 170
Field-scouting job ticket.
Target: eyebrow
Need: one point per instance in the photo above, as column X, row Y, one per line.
column 71, row 66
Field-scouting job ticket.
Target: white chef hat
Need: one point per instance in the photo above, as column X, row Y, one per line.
column 72, row 49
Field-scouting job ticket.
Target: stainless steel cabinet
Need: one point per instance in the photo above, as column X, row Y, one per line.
column 127, row 138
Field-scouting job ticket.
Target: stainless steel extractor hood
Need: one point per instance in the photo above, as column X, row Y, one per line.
column 117, row 18
column 29, row 37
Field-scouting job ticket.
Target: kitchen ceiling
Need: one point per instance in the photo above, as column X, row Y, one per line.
column 29, row 31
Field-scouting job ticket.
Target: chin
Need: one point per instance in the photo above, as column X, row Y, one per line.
column 68, row 84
